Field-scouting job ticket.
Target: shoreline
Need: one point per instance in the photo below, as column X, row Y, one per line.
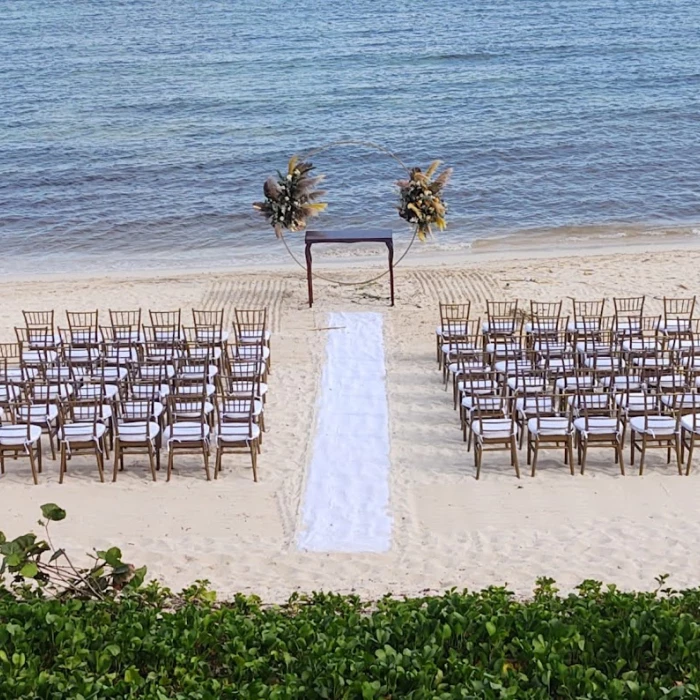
column 506, row 249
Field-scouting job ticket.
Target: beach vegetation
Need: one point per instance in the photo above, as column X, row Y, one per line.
column 143, row 641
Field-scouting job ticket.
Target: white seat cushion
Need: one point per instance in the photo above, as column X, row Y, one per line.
column 485, row 403
column 598, row 425
column 135, row 431
column 39, row 357
column 41, row 414
column 531, row 384
column 588, row 401
column 549, row 426
column 212, row 353
column 451, row 329
column 527, row 405
column 94, row 391
column 17, row 375
column 641, row 345
column 251, row 336
column 252, row 351
column 9, row 392
column 493, row 428
column 237, row 432
column 512, row 367
column 685, row 401
column 16, row 435
column 209, row 335
column 635, row 403
column 570, row 383
column 81, row 432
column 456, row 348
column 478, row 386
column 505, row 326
column 691, row 422
column 656, row 426
column 186, row 431
column 589, row 325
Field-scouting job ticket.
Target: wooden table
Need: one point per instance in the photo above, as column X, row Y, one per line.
column 349, row 236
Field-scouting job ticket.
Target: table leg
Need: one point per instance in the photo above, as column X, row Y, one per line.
column 309, row 277
column 390, row 246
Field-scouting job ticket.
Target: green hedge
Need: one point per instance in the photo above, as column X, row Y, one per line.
column 599, row 643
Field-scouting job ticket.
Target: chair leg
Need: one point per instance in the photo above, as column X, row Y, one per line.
column 99, row 455
column 217, row 462
column 584, row 453
column 151, row 458
column 205, row 452
column 514, row 455
column 534, row 455
column 53, row 446
column 570, row 452
column 117, row 450
column 32, row 464
column 620, row 450
column 691, row 445
column 477, row 458
column 254, row 455
column 643, row 455
column 39, row 450
column 170, row 462
column 676, row 446
column 62, row 467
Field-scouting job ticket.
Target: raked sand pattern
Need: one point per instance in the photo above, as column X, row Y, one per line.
column 447, row 529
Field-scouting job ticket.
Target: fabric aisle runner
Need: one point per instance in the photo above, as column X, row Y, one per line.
column 346, row 503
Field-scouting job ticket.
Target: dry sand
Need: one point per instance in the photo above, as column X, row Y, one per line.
column 449, row 530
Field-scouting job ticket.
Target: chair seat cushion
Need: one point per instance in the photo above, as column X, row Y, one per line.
column 16, row 435
column 237, row 432
column 598, row 425
column 691, row 422
column 186, row 431
column 81, row 432
column 549, row 426
column 583, row 382
column 527, row 405
column 40, row 414
column 493, row 428
column 39, row 357
column 654, row 425
column 253, row 351
column 138, row 431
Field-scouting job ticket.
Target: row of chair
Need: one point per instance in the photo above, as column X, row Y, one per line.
column 135, row 387
column 574, row 384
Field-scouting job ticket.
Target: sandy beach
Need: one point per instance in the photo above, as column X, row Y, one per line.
column 448, row 529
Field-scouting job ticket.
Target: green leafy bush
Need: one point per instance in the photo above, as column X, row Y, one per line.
column 600, row 643
column 88, row 634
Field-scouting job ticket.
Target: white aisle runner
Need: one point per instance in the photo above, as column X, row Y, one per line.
column 346, row 504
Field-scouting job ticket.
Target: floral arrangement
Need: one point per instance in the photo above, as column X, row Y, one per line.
column 291, row 199
column 421, row 201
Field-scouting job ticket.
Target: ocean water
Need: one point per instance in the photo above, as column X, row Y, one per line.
column 139, row 132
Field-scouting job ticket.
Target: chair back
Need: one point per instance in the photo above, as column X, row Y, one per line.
column 208, row 326
column 188, row 408
column 39, row 319
column 454, row 318
column 125, row 326
column 250, row 326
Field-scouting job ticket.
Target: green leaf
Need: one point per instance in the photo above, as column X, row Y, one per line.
column 132, row 676
column 490, row 628
column 3, row 539
column 14, row 559
column 113, row 556
column 29, row 570
column 58, row 553
column 53, row 512
column 113, row 649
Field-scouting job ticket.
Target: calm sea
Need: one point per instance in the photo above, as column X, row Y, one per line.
column 139, row 132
